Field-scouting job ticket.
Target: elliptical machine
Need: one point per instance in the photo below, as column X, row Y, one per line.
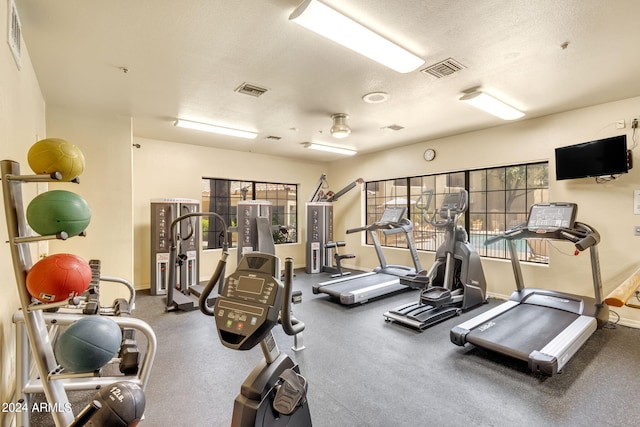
column 455, row 282
column 250, row 304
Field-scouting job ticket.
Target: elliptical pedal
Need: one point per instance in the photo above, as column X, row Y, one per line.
column 291, row 392
column 435, row 296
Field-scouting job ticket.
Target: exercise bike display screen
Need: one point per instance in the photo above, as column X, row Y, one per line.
column 250, row 285
column 551, row 216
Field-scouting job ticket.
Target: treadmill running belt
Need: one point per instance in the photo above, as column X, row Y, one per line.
column 521, row 330
column 361, row 288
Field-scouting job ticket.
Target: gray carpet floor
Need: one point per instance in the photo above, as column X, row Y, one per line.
column 363, row 371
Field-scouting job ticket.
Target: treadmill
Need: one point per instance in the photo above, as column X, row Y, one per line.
column 544, row 328
column 384, row 280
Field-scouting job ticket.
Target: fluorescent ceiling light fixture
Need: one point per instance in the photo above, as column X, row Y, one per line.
column 215, row 129
column 492, row 105
column 329, row 23
column 330, row 149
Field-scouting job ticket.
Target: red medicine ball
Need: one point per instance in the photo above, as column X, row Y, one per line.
column 58, row 277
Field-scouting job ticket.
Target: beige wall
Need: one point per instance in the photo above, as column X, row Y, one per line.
column 164, row 169
column 607, row 207
column 106, row 184
column 22, row 122
column 120, row 181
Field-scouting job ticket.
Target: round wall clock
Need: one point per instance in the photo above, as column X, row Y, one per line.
column 429, row 154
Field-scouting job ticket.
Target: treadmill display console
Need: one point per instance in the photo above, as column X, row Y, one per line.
column 547, row 217
column 392, row 214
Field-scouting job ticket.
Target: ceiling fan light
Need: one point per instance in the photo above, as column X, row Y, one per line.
column 340, row 128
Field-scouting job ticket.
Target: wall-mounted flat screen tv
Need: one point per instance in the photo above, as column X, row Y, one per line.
column 603, row 157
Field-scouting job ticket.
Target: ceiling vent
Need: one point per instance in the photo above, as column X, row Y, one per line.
column 443, row 68
column 273, row 138
column 251, row 89
column 393, row 128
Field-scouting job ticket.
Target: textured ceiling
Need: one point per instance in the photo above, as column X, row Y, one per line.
column 185, row 60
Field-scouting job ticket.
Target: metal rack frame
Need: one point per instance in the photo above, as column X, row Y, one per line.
column 37, row 370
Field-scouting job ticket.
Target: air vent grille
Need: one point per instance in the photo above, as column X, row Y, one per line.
column 443, row 68
column 251, row 89
column 393, row 128
column 273, row 138
column 14, row 33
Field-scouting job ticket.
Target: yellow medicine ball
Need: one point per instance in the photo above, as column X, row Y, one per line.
column 56, row 155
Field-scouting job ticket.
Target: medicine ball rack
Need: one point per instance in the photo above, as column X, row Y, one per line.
column 37, row 327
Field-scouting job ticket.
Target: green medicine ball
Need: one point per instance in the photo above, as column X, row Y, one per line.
column 56, row 211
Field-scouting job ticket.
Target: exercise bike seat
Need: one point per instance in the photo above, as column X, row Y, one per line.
column 291, row 392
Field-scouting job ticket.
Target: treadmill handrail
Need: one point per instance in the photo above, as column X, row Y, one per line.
column 405, row 225
column 582, row 235
column 510, row 234
column 386, row 225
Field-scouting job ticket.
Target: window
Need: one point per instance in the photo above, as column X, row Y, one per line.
column 222, row 196
column 380, row 195
column 499, row 198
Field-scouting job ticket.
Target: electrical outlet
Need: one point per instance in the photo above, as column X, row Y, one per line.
column 634, row 122
column 637, row 230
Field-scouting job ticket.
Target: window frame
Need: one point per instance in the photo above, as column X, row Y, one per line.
column 525, row 183
column 284, row 210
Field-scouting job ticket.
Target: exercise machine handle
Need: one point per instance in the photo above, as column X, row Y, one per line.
column 173, row 258
column 405, row 225
column 509, row 234
column 452, row 215
column 345, row 190
column 420, row 204
column 424, row 207
column 317, row 193
column 357, row 229
column 582, row 235
column 215, row 278
column 290, row 324
column 389, row 227
column 492, row 240
column 464, row 196
column 591, row 239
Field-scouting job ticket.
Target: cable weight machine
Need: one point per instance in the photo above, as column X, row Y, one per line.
column 322, row 251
